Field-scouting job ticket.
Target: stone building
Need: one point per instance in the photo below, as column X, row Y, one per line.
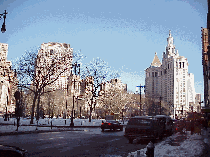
column 206, row 65
column 8, row 82
column 170, row 82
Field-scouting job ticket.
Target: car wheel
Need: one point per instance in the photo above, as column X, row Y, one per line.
column 130, row 140
column 114, row 129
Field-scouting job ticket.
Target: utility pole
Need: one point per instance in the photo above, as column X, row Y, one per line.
column 140, row 95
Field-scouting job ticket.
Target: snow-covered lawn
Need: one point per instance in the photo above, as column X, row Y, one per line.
column 58, row 122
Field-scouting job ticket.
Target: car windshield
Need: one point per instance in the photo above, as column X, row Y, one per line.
column 139, row 121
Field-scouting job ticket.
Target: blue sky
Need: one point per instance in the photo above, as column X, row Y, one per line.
column 126, row 34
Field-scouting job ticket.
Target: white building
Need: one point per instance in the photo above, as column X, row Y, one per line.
column 7, row 82
column 63, row 54
column 170, row 81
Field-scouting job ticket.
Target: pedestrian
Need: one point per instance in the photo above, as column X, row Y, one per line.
column 205, row 123
column 197, row 128
column 192, row 127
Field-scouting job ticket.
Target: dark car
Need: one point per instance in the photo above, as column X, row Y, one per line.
column 11, row 151
column 111, row 125
column 167, row 123
column 143, row 127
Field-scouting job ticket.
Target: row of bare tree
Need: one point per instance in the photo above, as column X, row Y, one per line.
column 35, row 80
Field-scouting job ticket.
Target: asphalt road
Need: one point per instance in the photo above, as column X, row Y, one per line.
column 90, row 142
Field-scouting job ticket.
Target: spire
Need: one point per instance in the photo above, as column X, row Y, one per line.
column 170, row 39
column 156, row 62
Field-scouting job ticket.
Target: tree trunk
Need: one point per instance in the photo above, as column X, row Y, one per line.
column 90, row 114
column 33, row 106
column 49, row 108
column 37, row 109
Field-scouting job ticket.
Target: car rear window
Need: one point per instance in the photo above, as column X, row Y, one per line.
column 138, row 121
column 111, row 121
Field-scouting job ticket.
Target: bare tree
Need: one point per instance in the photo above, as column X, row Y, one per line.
column 100, row 71
column 37, row 71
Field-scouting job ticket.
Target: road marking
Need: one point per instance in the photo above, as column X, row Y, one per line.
column 113, row 140
column 60, row 137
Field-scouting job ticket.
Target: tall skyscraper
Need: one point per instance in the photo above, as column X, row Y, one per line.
column 170, row 81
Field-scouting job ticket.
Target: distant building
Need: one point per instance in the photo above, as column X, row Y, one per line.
column 116, row 83
column 170, row 81
column 197, row 106
column 8, row 82
column 54, row 51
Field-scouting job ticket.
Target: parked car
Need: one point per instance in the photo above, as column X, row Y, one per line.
column 111, row 125
column 143, row 127
column 11, row 151
column 167, row 123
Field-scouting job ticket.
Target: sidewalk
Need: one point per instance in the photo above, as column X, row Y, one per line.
column 206, row 138
column 193, row 145
column 178, row 145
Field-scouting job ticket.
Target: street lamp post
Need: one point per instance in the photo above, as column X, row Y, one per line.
column 140, row 95
column 75, row 66
column 3, row 28
column 160, row 104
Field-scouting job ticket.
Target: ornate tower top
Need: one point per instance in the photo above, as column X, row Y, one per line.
column 169, row 33
column 170, row 49
column 170, row 39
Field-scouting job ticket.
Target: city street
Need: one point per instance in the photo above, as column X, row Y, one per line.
column 89, row 142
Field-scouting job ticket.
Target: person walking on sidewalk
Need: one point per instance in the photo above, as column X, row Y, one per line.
column 192, row 127
column 197, row 128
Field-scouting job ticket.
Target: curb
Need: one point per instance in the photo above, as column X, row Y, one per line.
column 57, row 126
column 35, row 131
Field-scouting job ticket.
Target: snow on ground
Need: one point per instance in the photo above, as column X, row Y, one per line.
column 58, row 122
column 192, row 146
column 12, row 128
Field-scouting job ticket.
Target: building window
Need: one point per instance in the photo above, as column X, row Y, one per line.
column 51, row 52
column 183, row 64
column 180, row 65
column 152, row 74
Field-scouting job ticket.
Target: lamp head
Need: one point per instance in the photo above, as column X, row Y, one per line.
column 3, row 28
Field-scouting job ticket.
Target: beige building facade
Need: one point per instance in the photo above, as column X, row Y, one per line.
column 8, row 82
column 63, row 54
column 170, row 81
